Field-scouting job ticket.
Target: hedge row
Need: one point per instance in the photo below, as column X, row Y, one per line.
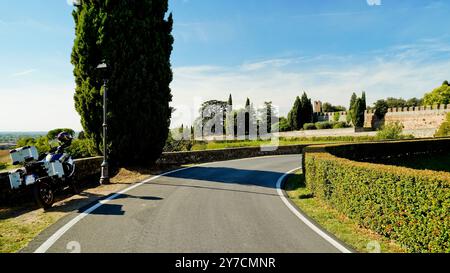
column 388, row 149
column 406, row 205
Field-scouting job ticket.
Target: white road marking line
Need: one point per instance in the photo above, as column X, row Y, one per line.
column 305, row 220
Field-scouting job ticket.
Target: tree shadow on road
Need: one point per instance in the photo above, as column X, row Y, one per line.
column 267, row 179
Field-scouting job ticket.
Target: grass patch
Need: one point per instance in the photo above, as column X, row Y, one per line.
column 4, row 156
column 18, row 231
column 226, row 144
column 347, row 230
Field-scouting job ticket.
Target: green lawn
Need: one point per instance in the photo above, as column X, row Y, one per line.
column 200, row 145
column 347, row 230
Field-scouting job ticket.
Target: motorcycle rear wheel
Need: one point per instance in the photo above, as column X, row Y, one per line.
column 44, row 195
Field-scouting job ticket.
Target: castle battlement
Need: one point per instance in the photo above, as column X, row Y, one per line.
column 328, row 114
column 415, row 109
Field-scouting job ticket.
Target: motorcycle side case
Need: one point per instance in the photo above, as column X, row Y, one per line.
column 55, row 168
column 24, row 154
column 15, row 180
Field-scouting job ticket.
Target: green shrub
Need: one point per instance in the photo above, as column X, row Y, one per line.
column 406, row 205
column 339, row 125
column 391, row 131
column 309, row 126
column 174, row 145
column 336, row 116
column 324, row 125
column 283, row 125
column 444, row 129
column 41, row 143
column 3, row 165
column 81, row 148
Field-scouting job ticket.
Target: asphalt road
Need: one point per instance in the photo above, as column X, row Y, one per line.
column 230, row 206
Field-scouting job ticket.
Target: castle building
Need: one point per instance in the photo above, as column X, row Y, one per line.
column 317, row 106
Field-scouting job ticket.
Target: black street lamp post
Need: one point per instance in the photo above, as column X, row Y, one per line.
column 104, row 179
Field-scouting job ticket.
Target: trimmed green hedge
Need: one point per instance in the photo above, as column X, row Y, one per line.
column 406, row 205
column 389, row 149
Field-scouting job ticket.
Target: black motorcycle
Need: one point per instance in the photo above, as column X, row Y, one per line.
column 47, row 174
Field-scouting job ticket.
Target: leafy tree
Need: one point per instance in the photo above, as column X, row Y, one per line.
column 444, row 129
column 81, row 148
column 134, row 39
column 328, row 107
column 440, row 95
column 213, row 109
column 283, row 125
column 381, row 108
column 266, row 116
column 413, row 102
column 394, row 102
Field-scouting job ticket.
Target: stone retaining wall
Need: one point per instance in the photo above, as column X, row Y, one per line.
column 195, row 157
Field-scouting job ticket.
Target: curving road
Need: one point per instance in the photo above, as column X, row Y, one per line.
column 230, row 206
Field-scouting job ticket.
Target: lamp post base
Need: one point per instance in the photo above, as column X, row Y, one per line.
column 104, row 179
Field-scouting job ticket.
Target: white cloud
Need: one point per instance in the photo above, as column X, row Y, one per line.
column 23, row 73
column 374, row 2
column 268, row 63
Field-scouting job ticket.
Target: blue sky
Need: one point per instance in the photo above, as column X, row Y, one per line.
column 262, row 49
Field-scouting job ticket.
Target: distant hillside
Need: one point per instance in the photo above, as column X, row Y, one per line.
column 12, row 137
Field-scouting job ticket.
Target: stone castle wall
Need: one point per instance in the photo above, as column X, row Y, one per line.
column 329, row 116
column 422, row 121
column 412, row 118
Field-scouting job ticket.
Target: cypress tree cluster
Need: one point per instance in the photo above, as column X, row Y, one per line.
column 301, row 113
column 357, row 108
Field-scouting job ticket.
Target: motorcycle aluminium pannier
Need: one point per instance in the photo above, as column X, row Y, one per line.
column 15, row 180
column 24, row 154
column 54, row 168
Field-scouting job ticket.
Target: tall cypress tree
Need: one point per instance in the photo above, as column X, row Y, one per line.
column 350, row 108
column 306, row 112
column 134, row 39
column 363, row 101
column 230, row 103
column 247, row 117
column 294, row 114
